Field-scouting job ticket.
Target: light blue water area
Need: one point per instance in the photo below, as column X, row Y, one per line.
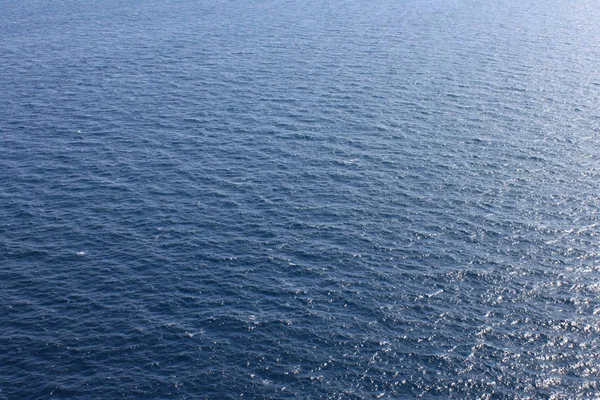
column 310, row 199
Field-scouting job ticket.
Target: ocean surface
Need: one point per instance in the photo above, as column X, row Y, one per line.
column 284, row 199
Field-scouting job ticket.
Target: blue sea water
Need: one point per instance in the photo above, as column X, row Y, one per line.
column 278, row 199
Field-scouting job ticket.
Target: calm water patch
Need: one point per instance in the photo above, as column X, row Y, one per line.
column 316, row 199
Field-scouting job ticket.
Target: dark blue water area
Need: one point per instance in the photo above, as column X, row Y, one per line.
column 273, row 199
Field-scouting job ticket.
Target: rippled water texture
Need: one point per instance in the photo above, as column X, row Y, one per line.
column 299, row 199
